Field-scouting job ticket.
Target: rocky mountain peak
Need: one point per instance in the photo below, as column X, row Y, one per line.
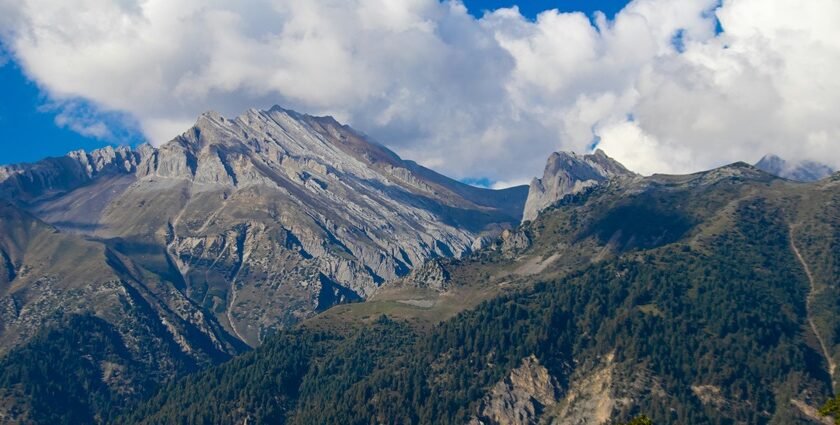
column 804, row 171
column 265, row 218
column 567, row 173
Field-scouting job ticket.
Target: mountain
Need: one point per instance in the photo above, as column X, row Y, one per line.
column 567, row 173
column 704, row 298
column 263, row 219
column 182, row 256
column 84, row 324
column 132, row 283
column 804, row 171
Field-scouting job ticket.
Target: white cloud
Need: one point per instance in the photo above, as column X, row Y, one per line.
column 628, row 141
column 88, row 121
column 83, row 125
column 509, row 183
column 471, row 97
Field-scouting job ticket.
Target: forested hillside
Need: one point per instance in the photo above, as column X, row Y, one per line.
column 693, row 310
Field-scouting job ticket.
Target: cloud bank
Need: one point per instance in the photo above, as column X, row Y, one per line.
column 656, row 87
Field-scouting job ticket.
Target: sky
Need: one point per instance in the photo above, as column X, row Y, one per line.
column 530, row 9
column 26, row 112
column 482, row 91
column 33, row 127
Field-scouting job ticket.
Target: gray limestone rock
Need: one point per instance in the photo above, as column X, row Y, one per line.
column 521, row 397
column 567, row 173
column 259, row 221
column 431, row 275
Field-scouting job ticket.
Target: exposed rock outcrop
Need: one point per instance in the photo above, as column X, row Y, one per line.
column 521, row 397
column 593, row 395
column 567, row 173
column 432, row 275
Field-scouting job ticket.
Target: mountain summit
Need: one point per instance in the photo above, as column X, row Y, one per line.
column 567, row 173
column 804, row 171
column 251, row 223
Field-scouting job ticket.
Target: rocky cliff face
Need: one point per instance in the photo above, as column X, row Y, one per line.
column 568, row 173
column 530, row 395
column 804, row 171
column 520, row 398
column 258, row 221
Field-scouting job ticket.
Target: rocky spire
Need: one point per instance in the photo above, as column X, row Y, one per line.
column 567, row 173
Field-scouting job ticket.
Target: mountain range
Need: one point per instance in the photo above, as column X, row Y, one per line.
column 279, row 267
column 704, row 298
column 195, row 250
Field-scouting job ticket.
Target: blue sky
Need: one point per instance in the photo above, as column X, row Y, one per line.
column 28, row 126
column 28, row 129
column 530, row 9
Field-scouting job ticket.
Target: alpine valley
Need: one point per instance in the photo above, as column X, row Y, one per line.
column 283, row 268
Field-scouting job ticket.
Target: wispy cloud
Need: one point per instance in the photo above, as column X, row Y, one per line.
column 471, row 97
column 87, row 120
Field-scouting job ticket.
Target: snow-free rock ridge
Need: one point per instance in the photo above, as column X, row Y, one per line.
column 263, row 219
column 568, row 173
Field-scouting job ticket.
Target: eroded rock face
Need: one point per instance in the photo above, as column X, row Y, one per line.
column 593, row 395
column 512, row 242
column 591, row 399
column 264, row 219
column 521, row 398
column 568, row 173
column 432, row 275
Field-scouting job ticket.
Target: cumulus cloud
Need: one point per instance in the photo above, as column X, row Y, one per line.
column 656, row 87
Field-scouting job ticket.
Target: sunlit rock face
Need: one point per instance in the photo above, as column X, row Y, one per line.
column 567, row 173
column 256, row 222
